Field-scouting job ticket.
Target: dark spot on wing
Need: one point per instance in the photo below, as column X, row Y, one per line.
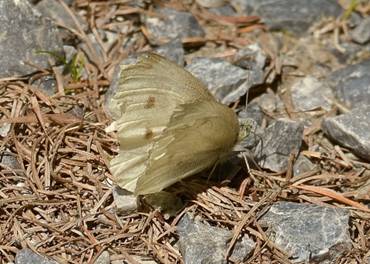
column 149, row 134
column 150, row 102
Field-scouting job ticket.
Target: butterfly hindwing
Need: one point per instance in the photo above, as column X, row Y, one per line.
column 197, row 136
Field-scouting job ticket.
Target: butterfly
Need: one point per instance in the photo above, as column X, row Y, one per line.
column 169, row 126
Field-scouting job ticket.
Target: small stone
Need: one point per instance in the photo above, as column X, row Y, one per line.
column 302, row 165
column 166, row 202
column 351, row 85
column 363, row 192
column 278, row 141
column 25, row 37
column 103, row 258
column 270, row 103
column 47, row 84
column 308, row 232
column 201, row 243
column 125, row 201
column 361, row 34
column 54, row 10
column 254, row 111
column 309, row 94
column 351, row 130
column 225, row 10
column 292, row 15
column 224, row 80
column 4, row 129
column 9, row 160
column 210, row 3
column 171, row 24
column 173, row 51
column 27, row 256
column 253, row 59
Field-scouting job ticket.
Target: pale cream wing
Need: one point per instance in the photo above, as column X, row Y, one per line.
column 197, row 136
column 147, row 95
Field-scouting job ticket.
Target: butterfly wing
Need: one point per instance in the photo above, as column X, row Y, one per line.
column 197, row 135
column 148, row 93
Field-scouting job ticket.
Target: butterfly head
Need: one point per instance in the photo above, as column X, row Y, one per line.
column 245, row 127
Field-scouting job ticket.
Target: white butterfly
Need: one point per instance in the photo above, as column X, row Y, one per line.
column 169, row 126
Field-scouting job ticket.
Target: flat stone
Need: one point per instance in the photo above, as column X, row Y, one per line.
column 210, row 3
column 173, row 51
column 103, row 258
column 270, row 103
column 166, row 202
column 54, row 10
column 47, row 84
column 292, row 15
column 253, row 59
column 24, row 36
column 254, row 111
column 225, row 10
column 125, row 201
column 351, row 85
column 279, row 140
column 9, row 160
column 224, row 80
column 351, row 130
column 302, row 165
column 201, row 243
column 308, row 232
column 27, row 256
column 361, row 34
column 309, row 94
column 171, row 24
column 4, row 129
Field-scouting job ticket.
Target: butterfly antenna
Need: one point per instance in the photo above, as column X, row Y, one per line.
column 212, row 171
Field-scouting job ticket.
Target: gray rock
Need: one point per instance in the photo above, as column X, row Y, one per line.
column 27, row 256
column 302, row 165
column 172, row 50
column 225, row 10
column 253, row 59
column 270, row 103
column 4, row 129
column 54, row 10
column 309, row 94
column 47, row 84
column 293, row 15
column 308, row 232
column 24, row 36
column 172, row 24
column 103, row 258
column 125, row 201
column 168, row 203
column 141, row 260
column 69, row 52
column 351, row 84
column 351, row 130
column 210, row 3
column 361, row 34
column 203, row 244
column 254, row 111
column 9, row 160
column 278, row 141
column 225, row 81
